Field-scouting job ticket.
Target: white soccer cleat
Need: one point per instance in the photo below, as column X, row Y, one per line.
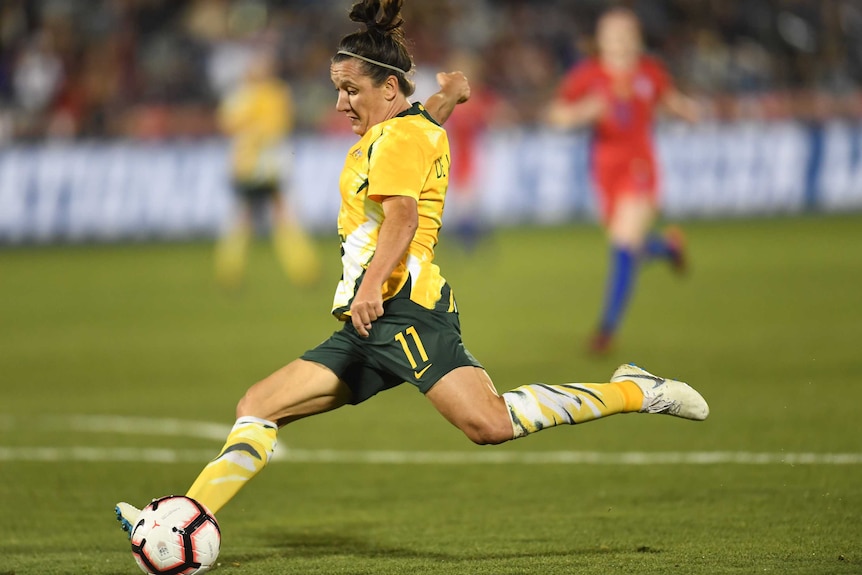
column 127, row 515
column 664, row 395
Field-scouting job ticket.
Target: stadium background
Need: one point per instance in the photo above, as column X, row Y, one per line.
column 121, row 359
column 107, row 126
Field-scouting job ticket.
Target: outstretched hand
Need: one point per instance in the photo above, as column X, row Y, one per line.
column 454, row 90
column 454, row 84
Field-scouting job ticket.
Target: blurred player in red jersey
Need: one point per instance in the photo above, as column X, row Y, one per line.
column 617, row 93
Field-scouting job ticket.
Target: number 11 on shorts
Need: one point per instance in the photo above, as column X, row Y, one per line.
column 401, row 337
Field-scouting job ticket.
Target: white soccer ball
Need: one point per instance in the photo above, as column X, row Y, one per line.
column 175, row 535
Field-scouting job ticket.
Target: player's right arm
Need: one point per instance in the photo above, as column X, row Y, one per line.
column 232, row 113
column 577, row 103
column 400, row 221
column 569, row 115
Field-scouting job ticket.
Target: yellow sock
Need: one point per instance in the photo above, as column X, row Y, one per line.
column 537, row 406
column 296, row 254
column 248, row 448
column 230, row 257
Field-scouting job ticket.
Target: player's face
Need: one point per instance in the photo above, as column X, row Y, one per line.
column 359, row 99
column 619, row 38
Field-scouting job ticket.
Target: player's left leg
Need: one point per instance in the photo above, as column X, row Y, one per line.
column 467, row 398
column 668, row 245
column 127, row 515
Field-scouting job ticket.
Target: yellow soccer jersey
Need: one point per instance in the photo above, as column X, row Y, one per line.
column 407, row 155
column 257, row 116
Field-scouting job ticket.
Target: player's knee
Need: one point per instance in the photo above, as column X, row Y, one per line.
column 248, row 406
column 627, row 238
column 242, row 406
column 488, row 432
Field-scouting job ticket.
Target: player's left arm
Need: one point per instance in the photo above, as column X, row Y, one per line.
column 680, row 105
column 454, row 90
column 671, row 99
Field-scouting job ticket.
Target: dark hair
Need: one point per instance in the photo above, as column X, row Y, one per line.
column 382, row 40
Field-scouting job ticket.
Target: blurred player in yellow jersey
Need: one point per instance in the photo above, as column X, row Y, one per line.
column 258, row 116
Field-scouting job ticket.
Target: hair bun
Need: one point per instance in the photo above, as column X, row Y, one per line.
column 382, row 16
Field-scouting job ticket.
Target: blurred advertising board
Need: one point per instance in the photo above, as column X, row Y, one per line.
column 108, row 191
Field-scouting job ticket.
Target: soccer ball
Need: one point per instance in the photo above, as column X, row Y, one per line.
column 175, row 535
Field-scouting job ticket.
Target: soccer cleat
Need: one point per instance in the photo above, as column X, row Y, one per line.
column 664, row 395
column 600, row 343
column 127, row 515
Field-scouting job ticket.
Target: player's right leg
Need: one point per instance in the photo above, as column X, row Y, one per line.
column 294, row 248
column 299, row 389
column 231, row 250
column 629, row 220
column 663, row 395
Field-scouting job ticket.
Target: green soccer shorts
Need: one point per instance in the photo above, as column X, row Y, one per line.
column 408, row 343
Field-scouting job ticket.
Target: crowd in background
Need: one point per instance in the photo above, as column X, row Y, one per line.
column 152, row 69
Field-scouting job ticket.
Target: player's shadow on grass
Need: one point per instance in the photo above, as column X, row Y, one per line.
column 328, row 544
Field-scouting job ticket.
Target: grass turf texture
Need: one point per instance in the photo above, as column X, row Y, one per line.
column 766, row 326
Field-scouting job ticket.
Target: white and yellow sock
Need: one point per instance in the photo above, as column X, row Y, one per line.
column 537, row 406
column 296, row 254
column 248, row 448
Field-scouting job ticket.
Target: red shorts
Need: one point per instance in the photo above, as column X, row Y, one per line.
column 615, row 178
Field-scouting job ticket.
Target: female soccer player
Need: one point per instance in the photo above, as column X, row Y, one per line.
column 617, row 94
column 400, row 318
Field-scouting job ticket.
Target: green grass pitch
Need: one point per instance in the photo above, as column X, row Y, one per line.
column 768, row 325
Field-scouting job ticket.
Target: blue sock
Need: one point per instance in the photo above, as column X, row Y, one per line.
column 656, row 246
column 619, row 287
